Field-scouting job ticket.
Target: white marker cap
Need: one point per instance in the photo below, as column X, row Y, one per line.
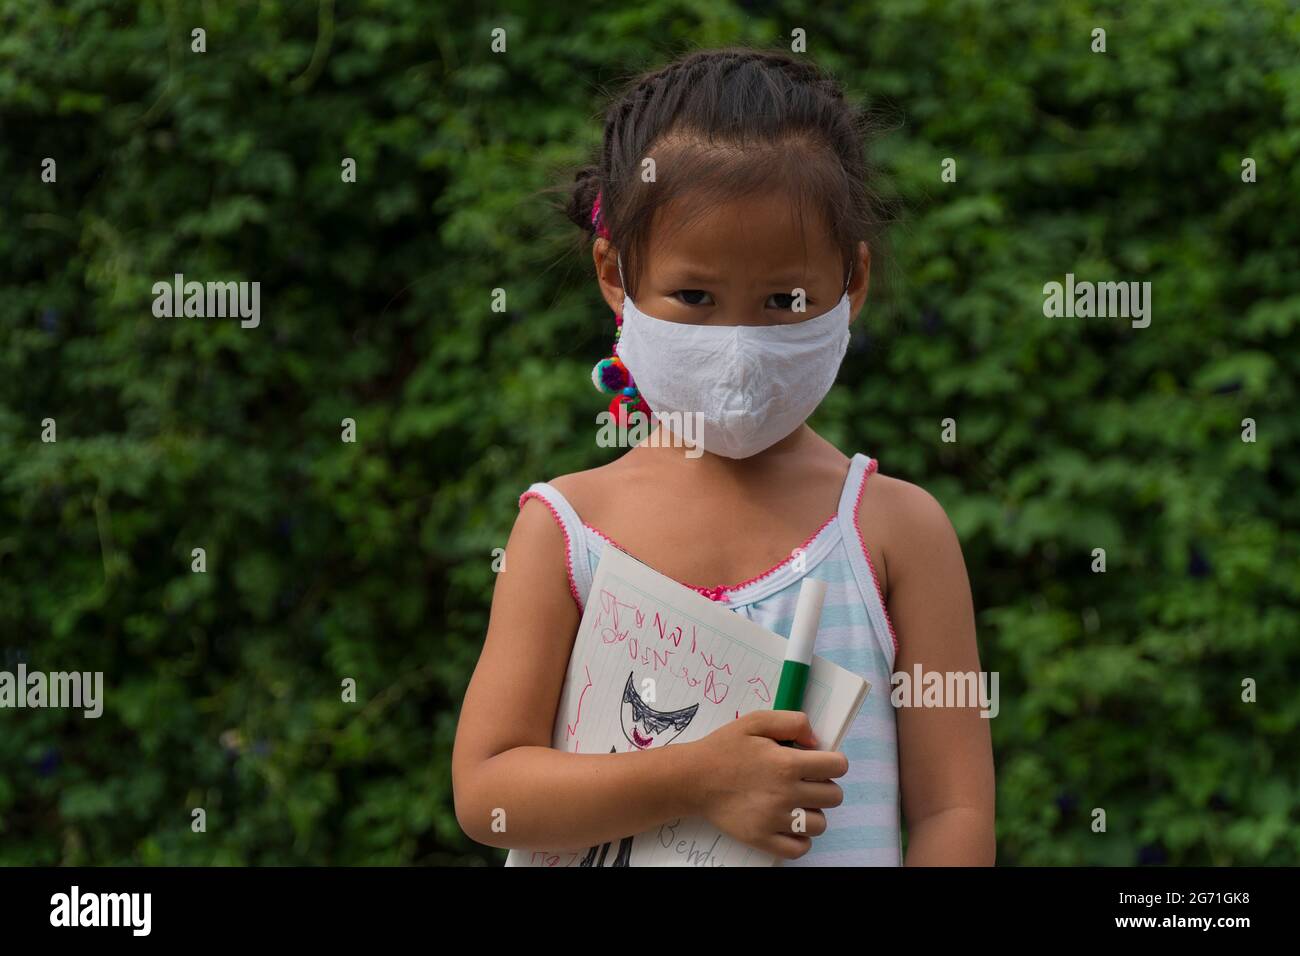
column 807, row 617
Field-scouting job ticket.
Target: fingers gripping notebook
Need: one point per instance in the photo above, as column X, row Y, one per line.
column 654, row 664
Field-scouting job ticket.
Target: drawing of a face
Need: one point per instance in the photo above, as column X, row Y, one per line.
column 646, row 727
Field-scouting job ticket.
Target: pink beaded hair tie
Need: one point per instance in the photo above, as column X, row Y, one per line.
column 610, row 375
column 601, row 229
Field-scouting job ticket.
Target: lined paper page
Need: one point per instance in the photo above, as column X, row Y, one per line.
column 655, row 663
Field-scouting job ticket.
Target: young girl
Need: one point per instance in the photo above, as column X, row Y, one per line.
column 733, row 229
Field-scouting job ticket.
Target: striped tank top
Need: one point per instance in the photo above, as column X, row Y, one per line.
column 855, row 633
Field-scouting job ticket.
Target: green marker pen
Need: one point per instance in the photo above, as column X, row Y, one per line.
column 799, row 653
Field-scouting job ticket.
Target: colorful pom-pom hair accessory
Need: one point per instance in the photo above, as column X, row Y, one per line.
column 610, row 375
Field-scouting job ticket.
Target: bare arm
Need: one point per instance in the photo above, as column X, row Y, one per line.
column 504, row 772
column 945, row 753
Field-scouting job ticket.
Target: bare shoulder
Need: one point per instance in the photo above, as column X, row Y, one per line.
column 578, row 483
column 908, row 506
column 589, row 491
column 538, row 527
column 907, row 524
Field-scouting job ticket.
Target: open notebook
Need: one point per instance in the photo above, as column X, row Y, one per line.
column 655, row 663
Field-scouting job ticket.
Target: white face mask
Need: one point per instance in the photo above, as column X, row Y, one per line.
column 750, row 385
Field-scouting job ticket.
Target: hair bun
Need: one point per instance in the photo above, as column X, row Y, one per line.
column 582, row 196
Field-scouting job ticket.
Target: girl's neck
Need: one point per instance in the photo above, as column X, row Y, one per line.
column 709, row 467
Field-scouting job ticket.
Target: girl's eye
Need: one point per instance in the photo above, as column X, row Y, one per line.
column 695, row 297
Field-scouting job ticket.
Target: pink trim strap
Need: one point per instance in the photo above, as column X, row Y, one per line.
column 568, row 544
column 857, row 526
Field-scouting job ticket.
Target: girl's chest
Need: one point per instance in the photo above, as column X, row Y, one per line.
column 716, row 546
column 706, row 537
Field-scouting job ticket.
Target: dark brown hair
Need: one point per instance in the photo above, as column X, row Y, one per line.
column 727, row 123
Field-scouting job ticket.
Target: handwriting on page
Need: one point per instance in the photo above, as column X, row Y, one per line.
column 645, row 652
column 653, row 639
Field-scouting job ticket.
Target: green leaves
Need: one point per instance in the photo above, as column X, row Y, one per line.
column 371, row 560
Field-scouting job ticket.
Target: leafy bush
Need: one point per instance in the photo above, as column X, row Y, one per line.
column 371, row 560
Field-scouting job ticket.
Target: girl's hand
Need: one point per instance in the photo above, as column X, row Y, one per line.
column 767, row 796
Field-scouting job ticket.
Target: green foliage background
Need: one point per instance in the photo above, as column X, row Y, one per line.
column 372, row 561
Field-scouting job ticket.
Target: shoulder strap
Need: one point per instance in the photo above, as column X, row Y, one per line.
column 860, row 471
column 854, row 482
column 575, row 551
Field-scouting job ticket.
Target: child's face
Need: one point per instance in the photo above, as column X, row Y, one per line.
column 739, row 265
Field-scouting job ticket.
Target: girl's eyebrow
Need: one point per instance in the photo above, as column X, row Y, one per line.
column 690, row 273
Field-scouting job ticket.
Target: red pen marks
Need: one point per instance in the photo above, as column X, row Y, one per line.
column 708, row 659
column 685, row 675
column 648, row 656
column 764, row 695
column 612, row 635
column 715, row 691
column 609, row 604
column 571, row 730
column 675, row 635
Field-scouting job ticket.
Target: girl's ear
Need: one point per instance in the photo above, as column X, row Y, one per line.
column 605, row 256
column 860, row 281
